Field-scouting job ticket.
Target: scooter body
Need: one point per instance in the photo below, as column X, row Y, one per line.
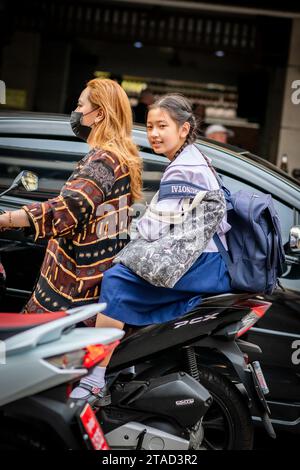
column 206, row 340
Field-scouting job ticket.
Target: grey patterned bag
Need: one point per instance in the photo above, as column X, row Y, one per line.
column 164, row 261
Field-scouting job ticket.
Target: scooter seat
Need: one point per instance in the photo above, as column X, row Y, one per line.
column 14, row 323
column 227, row 299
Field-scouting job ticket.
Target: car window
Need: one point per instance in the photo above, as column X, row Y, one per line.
column 153, row 168
column 52, row 160
column 239, row 174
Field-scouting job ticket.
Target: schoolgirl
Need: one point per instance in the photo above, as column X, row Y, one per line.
column 171, row 130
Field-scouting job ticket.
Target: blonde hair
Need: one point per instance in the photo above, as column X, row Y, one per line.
column 113, row 133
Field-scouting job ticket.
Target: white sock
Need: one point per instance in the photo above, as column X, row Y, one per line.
column 95, row 379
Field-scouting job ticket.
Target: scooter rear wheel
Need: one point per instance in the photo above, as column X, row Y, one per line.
column 227, row 424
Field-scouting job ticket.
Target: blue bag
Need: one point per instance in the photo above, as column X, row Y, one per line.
column 255, row 254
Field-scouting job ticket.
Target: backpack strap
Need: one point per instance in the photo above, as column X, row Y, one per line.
column 220, row 181
column 174, row 217
column 213, row 170
column 223, row 252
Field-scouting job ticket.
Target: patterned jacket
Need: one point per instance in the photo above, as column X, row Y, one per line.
column 87, row 225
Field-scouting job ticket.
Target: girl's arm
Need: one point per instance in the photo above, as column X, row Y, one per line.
column 151, row 229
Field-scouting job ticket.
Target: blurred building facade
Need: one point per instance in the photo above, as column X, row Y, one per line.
column 238, row 61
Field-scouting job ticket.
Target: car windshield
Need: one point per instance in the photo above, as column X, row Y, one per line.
column 242, row 152
column 259, row 160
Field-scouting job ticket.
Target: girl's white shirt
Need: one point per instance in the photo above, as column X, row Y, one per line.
column 189, row 167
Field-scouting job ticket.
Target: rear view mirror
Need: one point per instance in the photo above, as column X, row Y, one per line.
column 294, row 241
column 29, row 180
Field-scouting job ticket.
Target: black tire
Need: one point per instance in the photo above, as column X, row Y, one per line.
column 227, row 424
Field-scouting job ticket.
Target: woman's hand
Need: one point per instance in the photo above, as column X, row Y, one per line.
column 15, row 219
column 4, row 221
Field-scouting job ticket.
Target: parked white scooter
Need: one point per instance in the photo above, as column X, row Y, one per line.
column 41, row 355
column 41, row 358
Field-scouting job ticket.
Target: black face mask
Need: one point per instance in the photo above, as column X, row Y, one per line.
column 79, row 129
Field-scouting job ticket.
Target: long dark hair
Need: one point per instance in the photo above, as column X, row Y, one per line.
column 180, row 111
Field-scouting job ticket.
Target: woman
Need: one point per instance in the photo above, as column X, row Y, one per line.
column 171, row 129
column 87, row 224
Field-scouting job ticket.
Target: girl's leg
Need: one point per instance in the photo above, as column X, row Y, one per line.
column 94, row 383
column 106, row 322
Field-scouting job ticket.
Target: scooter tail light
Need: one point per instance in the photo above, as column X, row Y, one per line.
column 83, row 358
column 258, row 310
column 67, row 361
column 96, row 353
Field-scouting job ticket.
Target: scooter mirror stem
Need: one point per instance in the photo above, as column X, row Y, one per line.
column 11, row 188
column 27, row 179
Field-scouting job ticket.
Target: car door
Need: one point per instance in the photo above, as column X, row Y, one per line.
column 278, row 333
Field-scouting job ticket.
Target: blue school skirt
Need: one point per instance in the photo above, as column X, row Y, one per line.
column 134, row 301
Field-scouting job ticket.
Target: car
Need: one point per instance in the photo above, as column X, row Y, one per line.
column 46, row 145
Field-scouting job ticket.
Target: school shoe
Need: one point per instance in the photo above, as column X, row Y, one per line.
column 97, row 397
